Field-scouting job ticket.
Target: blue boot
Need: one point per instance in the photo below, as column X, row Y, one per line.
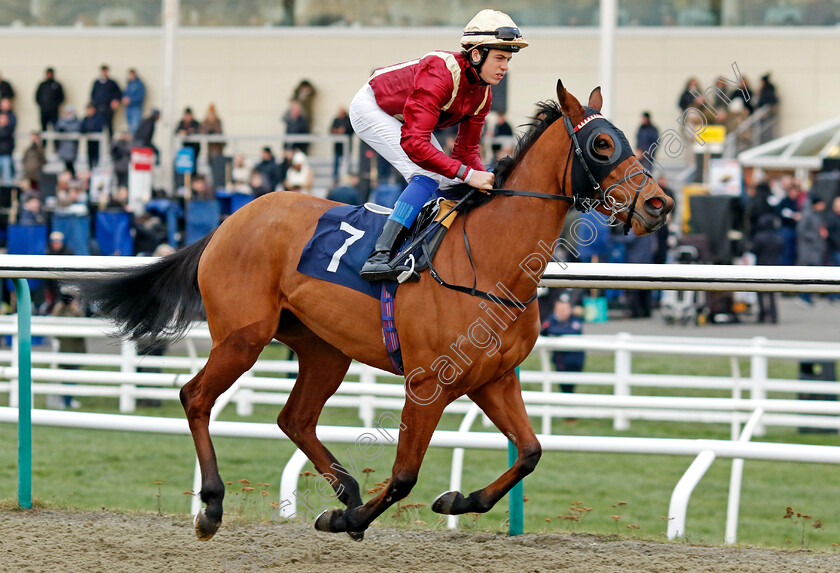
column 378, row 267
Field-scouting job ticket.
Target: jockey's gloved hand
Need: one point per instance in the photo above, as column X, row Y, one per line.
column 481, row 180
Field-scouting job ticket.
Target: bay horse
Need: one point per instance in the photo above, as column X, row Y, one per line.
column 243, row 277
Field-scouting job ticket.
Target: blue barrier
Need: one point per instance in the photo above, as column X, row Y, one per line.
column 76, row 230
column 28, row 240
column 202, row 218
column 113, row 233
column 387, row 195
column 239, row 200
column 230, row 202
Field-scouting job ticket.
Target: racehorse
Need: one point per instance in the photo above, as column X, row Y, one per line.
column 244, row 278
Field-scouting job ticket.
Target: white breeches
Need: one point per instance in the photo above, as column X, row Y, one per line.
column 382, row 133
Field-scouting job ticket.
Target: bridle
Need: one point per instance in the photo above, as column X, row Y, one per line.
column 596, row 195
column 592, row 125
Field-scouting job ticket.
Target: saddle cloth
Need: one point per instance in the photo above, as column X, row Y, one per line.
column 342, row 242
column 343, row 239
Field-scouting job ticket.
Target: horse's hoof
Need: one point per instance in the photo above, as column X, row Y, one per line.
column 356, row 535
column 204, row 528
column 446, row 502
column 331, row 521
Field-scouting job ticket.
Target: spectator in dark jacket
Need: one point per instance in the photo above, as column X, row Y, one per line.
column 49, row 97
column 687, row 97
column 6, row 90
column 121, row 157
column 190, row 126
column 736, row 93
column 30, row 213
column 562, row 322
column 346, row 191
column 133, row 98
column 68, row 149
column 789, row 211
column 340, row 126
column 268, row 169
column 7, row 147
column 767, row 97
column 767, row 246
column 106, row 96
column 811, row 236
column 758, row 204
column 646, row 137
column 92, row 124
column 832, row 227
column 296, row 123
column 767, row 92
column 34, row 160
column 501, row 129
column 146, row 132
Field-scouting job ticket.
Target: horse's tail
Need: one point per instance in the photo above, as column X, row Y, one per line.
column 159, row 300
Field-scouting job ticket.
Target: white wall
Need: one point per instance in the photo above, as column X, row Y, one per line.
column 250, row 73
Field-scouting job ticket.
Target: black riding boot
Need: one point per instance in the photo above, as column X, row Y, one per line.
column 377, row 267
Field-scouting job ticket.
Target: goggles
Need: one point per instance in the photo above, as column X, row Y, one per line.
column 505, row 33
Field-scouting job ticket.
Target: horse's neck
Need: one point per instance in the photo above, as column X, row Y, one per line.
column 535, row 223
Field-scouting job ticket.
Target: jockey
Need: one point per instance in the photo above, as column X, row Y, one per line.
column 396, row 111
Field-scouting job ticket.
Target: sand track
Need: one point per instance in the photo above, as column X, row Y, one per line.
column 59, row 541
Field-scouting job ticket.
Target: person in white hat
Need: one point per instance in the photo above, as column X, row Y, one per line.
column 400, row 106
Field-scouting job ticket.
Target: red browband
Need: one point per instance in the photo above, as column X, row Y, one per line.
column 587, row 120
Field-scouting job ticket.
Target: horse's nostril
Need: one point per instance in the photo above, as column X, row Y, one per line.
column 656, row 203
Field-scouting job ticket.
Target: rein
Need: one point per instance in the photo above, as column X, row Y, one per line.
column 473, row 291
column 582, row 202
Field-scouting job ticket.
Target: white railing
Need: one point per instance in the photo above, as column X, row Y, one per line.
column 707, row 450
column 675, row 277
column 376, row 389
column 371, row 394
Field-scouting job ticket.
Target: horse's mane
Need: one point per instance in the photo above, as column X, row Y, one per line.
column 547, row 113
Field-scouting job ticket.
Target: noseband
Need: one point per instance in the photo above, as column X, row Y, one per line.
column 593, row 125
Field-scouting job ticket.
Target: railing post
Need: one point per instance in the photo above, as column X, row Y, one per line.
column 682, row 493
column 366, row 405
column 735, row 479
column 516, row 496
column 245, row 400
column 545, row 366
column 758, row 375
column 24, row 340
column 14, row 383
column 128, row 363
column 623, row 369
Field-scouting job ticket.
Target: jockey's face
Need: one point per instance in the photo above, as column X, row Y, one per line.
column 495, row 66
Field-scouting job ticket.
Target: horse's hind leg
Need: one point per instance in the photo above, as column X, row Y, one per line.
column 321, row 370
column 501, row 400
column 228, row 360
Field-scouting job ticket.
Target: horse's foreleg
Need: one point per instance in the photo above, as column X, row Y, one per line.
column 227, row 361
column 501, row 400
column 418, row 424
column 321, row 370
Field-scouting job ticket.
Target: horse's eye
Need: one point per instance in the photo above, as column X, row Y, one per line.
column 602, row 144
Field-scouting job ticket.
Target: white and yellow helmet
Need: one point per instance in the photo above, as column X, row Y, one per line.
column 494, row 30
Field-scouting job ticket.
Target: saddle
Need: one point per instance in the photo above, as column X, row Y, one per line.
column 426, row 234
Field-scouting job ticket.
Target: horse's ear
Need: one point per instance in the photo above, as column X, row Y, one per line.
column 568, row 103
column 561, row 93
column 595, row 99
